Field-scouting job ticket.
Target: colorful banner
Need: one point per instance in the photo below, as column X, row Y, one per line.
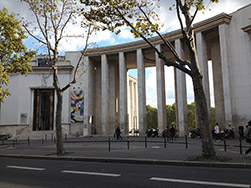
column 77, row 106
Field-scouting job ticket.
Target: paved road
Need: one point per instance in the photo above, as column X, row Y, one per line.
column 27, row 173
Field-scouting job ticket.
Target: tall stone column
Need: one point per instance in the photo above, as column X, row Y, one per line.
column 112, row 98
column 123, row 93
column 117, row 93
column 181, row 104
column 88, row 98
column 218, row 84
column 131, row 104
column 105, row 93
column 161, row 94
column 203, row 63
column 135, row 113
column 225, row 73
column 141, row 92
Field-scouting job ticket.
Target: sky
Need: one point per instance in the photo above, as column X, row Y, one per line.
column 106, row 38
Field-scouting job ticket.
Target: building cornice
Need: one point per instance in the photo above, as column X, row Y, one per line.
column 247, row 29
column 171, row 36
column 46, row 69
column 42, row 87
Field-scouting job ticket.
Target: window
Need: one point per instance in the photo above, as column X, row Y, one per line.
column 42, row 62
column 43, row 109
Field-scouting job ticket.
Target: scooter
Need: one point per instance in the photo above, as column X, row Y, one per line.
column 195, row 133
column 152, row 132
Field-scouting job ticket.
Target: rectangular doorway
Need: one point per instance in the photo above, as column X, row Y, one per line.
column 43, row 109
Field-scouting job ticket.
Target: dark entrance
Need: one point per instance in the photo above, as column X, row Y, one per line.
column 43, row 109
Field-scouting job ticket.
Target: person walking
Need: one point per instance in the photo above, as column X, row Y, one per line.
column 173, row 132
column 217, row 132
column 241, row 131
column 118, row 132
column 247, row 135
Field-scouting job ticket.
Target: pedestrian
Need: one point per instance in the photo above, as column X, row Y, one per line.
column 230, row 131
column 118, row 132
column 217, row 132
column 165, row 133
column 241, row 131
column 247, row 135
column 172, row 132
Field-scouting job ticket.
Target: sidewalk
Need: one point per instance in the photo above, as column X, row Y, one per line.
column 136, row 150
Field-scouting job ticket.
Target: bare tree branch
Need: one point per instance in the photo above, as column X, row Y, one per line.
column 33, row 36
column 61, row 14
column 171, row 48
column 194, row 15
column 47, row 36
column 74, row 80
column 179, row 6
column 39, row 23
column 160, row 54
column 51, row 15
column 61, row 32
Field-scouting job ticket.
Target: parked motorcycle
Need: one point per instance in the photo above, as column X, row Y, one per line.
column 195, row 133
column 152, row 132
column 227, row 134
column 165, row 133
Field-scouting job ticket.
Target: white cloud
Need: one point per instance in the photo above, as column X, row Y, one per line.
column 103, row 36
column 126, row 33
column 227, row 6
column 169, row 18
column 15, row 6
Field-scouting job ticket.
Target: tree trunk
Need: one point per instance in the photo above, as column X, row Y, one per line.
column 59, row 133
column 201, row 105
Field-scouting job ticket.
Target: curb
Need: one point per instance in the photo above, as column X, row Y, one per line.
column 136, row 161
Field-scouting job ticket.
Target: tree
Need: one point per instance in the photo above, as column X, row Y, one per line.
column 144, row 22
column 213, row 119
column 191, row 116
column 14, row 56
column 52, row 18
column 170, row 115
column 151, row 117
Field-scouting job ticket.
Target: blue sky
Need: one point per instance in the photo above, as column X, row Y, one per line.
column 106, row 38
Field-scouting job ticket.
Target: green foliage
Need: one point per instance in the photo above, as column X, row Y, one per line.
column 170, row 115
column 191, row 116
column 213, row 119
column 151, row 117
column 14, row 56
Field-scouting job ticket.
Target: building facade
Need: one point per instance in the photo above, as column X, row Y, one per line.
column 106, row 97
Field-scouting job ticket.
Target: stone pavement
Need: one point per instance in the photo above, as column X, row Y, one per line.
column 131, row 150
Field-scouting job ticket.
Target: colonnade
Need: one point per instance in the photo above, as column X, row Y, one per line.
column 208, row 48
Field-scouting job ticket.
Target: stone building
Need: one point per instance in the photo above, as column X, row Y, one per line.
column 102, row 99
column 30, row 110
